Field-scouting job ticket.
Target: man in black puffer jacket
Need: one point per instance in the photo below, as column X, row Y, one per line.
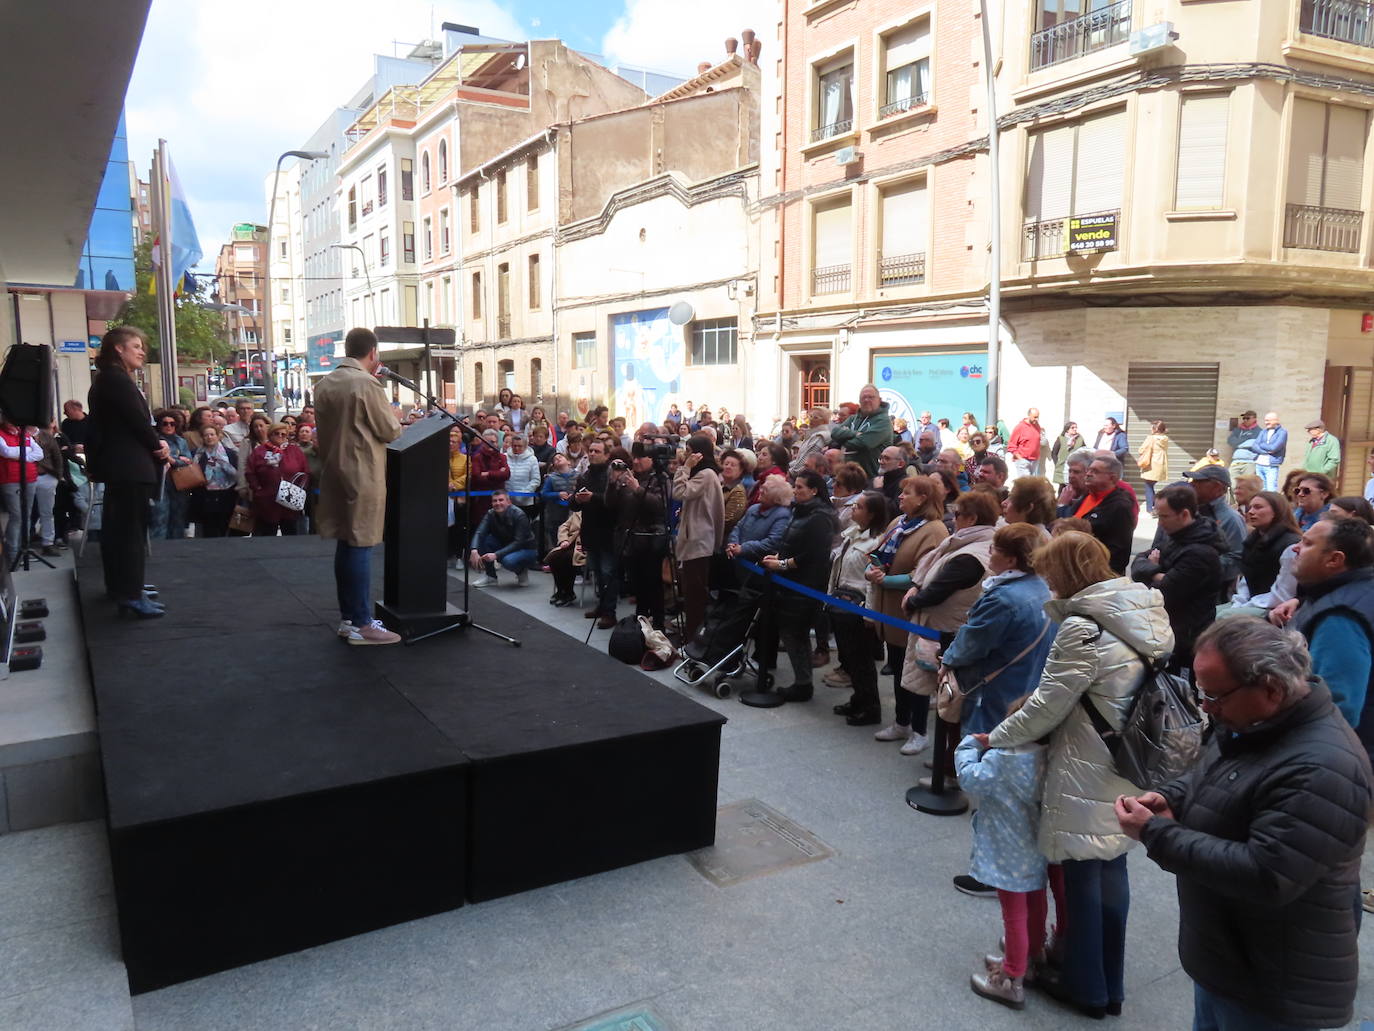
column 1265, row 836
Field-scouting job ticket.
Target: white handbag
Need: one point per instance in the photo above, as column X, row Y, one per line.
column 291, row 494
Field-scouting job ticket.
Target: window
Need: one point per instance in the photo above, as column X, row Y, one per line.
column 446, row 297
column 407, row 179
column 505, row 373
column 907, row 60
column 429, row 239
column 1325, row 177
column 536, row 377
column 584, row 350
column 285, row 295
column 532, row 183
column 367, row 195
column 424, row 172
column 533, row 277
column 384, row 245
column 1066, row 29
column 477, row 295
column 500, row 196
column 412, row 298
column 286, row 335
column 474, row 212
column 1074, row 169
column 831, row 247
column 381, row 187
column 430, row 310
column 281, row 250
column 408, row 242
column 1201, row 182
column 384, row 311
column 444, row 235
column 245, row 255
column 503, row 327
column 443, row 161
column 352, row 207
column 477, row 392
column 714, row 341
column 905, row 227
column 834, row 98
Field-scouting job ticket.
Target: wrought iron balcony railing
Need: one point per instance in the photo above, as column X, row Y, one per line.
column 901, row 270
column 1096, row 30
column 825, row 132
column 830, row 279
column 905, row 104
column 1323, row 229
column 1349, row 21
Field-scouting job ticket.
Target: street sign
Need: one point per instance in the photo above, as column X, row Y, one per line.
column 415, row 335
column 73, row 347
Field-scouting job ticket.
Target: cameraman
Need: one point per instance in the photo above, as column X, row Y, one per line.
column 598, row 529
column 638, row 494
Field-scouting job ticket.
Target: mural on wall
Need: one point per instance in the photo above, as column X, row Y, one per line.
column 649, row 355
column 944, row 384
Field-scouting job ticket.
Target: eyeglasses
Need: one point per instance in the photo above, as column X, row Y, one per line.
column 1302, row 491
column 1217, row 699
column 167, row 422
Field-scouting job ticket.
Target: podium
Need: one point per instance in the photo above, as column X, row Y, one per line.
column 415, row 583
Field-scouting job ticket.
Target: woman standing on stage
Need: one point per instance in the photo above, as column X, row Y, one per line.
column 123, row 451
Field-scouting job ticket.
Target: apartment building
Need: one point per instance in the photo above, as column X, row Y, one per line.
column 239, row 269
column 1185, row 225
column 580, row 241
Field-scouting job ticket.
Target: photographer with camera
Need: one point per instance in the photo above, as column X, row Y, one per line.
column 598, row 531
column 638, row 494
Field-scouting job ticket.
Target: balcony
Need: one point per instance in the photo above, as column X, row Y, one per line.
column 503, row 327
column 905, row 104
column 830, row 279
column 1050, row 238
column 367, row 208
column 901, row 270
column 1346, row 21
column 1311, row 228
column 826, row 132
column 1097, row 30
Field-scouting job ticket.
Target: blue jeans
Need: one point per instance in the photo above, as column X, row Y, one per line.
column 1270, row 475
column 1098, row 897
column 515, row 561
column 1212, row 1012
column 605, row 566
column 353, row 579
column 15, row 525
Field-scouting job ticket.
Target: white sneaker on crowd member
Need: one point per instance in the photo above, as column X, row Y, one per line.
column 345, row 628
column 373, row 633
column 522, row 578
column 915, row 744
column 485, row 581
column 893, row 732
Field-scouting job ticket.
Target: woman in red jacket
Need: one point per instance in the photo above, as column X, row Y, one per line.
column 268, row 466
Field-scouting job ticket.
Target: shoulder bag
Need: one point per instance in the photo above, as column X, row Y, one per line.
column 187, row 477
column 291, row 494
column 949, row 697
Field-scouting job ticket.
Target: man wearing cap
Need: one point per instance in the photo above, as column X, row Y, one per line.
column 1323, row 450
column 1271, row 445
column 1243, row 453
column 1211, row 483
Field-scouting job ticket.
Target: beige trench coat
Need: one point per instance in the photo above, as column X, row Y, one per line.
column 355, row 424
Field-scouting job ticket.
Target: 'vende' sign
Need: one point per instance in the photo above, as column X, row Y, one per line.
column 1092, row 233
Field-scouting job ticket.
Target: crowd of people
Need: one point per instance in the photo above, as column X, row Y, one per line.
column 997, row 560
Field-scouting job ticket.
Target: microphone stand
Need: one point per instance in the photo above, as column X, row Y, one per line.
column 470, row 435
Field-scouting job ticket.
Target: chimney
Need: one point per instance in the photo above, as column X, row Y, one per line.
column 703, row 67
column 752, row 46
column 731, row 45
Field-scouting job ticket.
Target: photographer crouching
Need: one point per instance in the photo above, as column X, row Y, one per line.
column 638, row 494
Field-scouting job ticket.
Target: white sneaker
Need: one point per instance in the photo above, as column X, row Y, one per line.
column 485, row 581
column 914, row 744
column 893, row 732
column 373, row 633
column 522, row 578
column 345, row 628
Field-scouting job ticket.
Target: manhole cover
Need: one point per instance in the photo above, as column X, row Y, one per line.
column 640, row 1020
column 753, row 839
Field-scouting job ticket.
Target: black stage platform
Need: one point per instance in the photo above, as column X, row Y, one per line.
column 271, row 788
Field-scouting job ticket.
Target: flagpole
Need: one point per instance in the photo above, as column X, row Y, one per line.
column 166, row 288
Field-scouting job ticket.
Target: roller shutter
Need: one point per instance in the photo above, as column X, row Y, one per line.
column 1185, row 397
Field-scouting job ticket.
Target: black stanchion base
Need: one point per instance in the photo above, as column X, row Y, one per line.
column 946, row 803
column 762, row 699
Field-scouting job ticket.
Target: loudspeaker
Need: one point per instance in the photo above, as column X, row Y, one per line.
column 26, row 385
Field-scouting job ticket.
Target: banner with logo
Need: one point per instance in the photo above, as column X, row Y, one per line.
column 649, row 356
column 946, row 384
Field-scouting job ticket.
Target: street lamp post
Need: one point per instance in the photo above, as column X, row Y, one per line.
column 366, row 274
column 270, row 404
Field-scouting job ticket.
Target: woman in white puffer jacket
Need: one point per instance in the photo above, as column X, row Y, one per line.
column 1108, row 626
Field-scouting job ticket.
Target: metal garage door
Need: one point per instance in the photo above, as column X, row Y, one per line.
column 1185, row 397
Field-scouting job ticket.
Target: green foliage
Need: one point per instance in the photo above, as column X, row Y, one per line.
column 200, row 332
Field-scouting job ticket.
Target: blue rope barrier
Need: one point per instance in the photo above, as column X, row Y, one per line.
column 840, row 603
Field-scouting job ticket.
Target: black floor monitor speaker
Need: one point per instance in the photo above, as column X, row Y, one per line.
column 26, row 385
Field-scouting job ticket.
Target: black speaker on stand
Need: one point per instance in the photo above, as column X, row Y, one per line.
column 26, row 395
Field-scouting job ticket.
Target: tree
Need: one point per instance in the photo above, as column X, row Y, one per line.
column 200, row 332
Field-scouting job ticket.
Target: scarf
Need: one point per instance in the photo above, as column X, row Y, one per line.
column 886, row 552
column 219, row 473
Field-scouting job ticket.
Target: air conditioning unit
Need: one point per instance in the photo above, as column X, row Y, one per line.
column 847, row 155
column 1152, row 39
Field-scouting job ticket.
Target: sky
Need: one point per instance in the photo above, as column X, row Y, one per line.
column 230, row 86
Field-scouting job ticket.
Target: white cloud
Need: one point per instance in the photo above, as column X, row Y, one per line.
column 654, row 34
column 232, row 85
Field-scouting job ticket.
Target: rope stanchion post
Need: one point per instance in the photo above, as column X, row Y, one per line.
column 935, row 797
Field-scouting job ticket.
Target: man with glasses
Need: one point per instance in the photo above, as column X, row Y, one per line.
column 1264, row 835
column 865, row 433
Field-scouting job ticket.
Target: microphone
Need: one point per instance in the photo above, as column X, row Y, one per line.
column 396, row 377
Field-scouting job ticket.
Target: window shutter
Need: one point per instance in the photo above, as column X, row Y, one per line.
column 1100, row 165
column 1345, row 139
column 1202, row 129
column 1305, row 152
column 1049, row 179
column 832, row 236
column 908, row 44
column 905, row 220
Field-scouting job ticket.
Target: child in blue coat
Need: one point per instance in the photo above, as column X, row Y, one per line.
column 1007, row 782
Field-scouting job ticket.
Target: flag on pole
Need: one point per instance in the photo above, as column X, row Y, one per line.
column 185, row 243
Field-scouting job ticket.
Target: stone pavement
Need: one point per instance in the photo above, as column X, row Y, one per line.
column 872, row 936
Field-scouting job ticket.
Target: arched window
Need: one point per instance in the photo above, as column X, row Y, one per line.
column 443, row 161
column 424, row 172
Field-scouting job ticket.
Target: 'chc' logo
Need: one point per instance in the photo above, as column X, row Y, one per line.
column 971, row 372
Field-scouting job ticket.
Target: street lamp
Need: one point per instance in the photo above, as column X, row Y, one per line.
column 363, row 254
column 271, row 368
